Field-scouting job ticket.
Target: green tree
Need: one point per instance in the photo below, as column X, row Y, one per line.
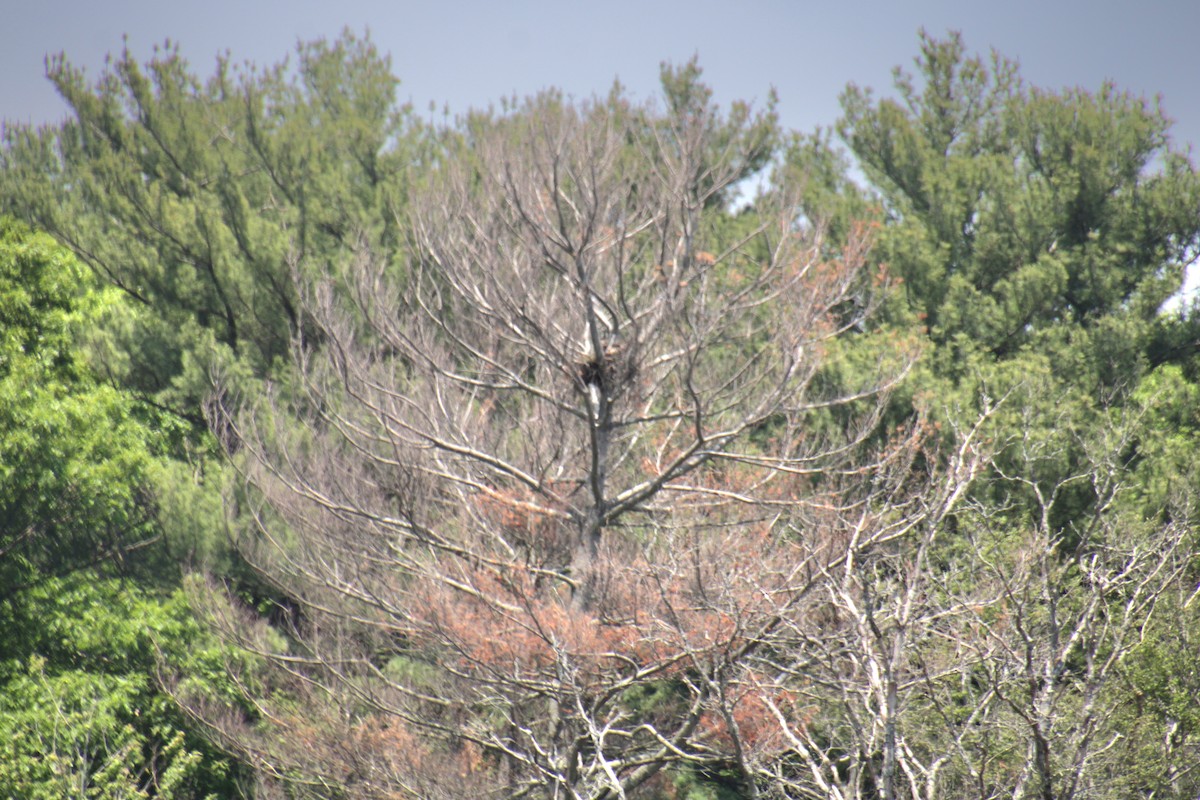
column 82, row 466
column 1024, row 216
column 82, row 713
column 76, row 456
column 198, row 198
column 1037, row 234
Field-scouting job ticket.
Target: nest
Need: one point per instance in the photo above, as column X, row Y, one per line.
column 608, row 372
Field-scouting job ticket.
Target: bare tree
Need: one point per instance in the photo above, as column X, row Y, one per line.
column 1056, row 613
column 988, row 655
column 877, row 658
column 555, row 499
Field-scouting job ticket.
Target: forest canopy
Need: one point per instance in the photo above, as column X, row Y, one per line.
column 596, row 448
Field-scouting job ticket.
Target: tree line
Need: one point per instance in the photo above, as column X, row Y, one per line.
column 533, row 453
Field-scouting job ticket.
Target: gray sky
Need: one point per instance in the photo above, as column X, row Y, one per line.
column 471, row 53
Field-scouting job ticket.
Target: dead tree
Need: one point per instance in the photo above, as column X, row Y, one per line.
column 557, row 492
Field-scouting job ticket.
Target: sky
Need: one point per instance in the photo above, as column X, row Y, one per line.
column 469, row 54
